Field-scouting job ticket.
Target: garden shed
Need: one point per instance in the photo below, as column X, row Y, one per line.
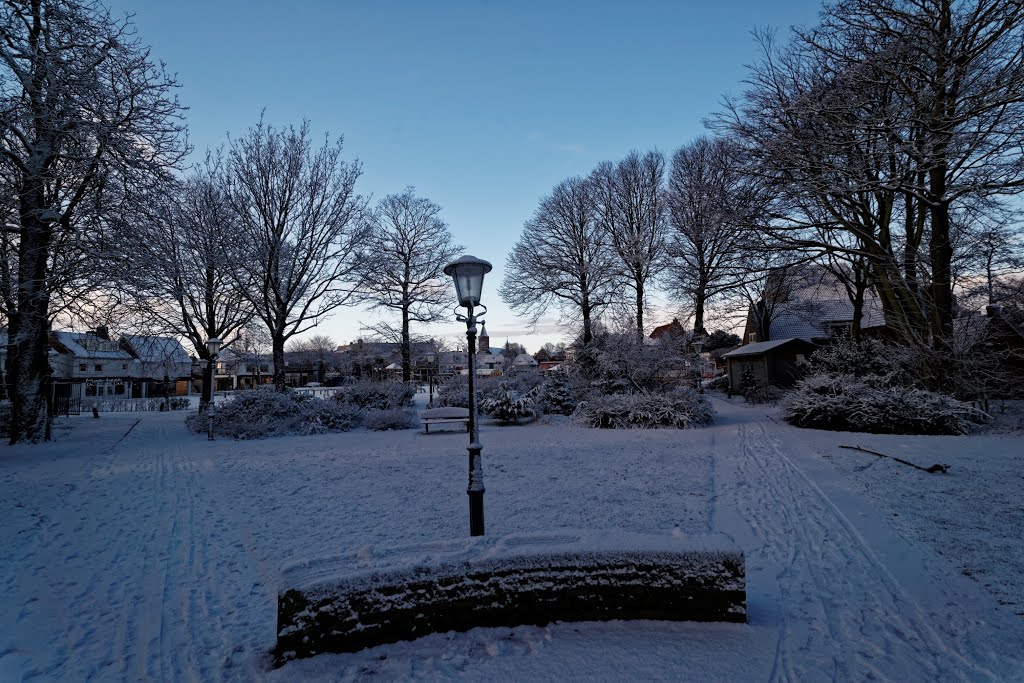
column 772, row 361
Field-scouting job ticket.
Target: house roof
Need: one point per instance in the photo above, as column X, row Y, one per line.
column 672, row 329
column 757, row 348
column 83, row 345
column 157, row 349
column 524, row 359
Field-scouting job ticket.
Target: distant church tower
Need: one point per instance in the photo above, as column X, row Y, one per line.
column 484, row 344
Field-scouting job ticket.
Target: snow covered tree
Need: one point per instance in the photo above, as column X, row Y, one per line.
column 178, row 275
column 401, row 265
column 631, row 211
column 87, row 122
column 299, row 225
column 710, row 204
column 882, row 123
column 562, row 259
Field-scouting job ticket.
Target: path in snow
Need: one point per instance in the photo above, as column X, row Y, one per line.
column 154, row 555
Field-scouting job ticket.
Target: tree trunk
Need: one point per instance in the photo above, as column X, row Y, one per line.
column 698, row 311
column 588, row 330
column 639, row 309
column 941, row 252
column 28, row 333
column 280, row 380
column 406, row 347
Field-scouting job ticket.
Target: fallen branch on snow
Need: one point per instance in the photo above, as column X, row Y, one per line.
column 933, row 469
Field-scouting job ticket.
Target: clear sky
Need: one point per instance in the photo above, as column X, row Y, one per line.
column 482, row 106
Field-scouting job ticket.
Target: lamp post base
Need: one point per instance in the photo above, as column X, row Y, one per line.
column 476, row 513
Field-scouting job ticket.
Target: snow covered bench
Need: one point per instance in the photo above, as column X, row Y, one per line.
column 371, row 597
column 432, row 416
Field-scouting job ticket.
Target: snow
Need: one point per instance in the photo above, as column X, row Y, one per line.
column 135, row 550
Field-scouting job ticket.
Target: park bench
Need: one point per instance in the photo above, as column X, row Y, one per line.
column 433, row 416
column 374, row 596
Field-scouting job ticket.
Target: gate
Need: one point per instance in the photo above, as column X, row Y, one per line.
column 67, row 399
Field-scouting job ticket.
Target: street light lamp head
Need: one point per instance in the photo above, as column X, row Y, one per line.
column 202, row 363
column 468, row 273
column 698, row 344
column 213, row 345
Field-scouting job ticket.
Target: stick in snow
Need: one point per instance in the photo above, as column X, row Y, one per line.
column 933, row 469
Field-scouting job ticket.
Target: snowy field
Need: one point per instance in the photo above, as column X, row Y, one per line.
column 134, row 550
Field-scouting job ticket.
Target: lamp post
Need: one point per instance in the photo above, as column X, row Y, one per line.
column 698, row 344
column 468, row 273
column 213, row 345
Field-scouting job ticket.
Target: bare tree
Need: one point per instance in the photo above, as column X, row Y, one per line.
column 711, row 203
column 562, row 259
column 299, row 228
column 631, row 210
column 406, row 248
column 86, row 119
column 178, row 273
column 896, row 112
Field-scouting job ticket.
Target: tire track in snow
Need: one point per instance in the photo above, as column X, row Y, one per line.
column 841, row 614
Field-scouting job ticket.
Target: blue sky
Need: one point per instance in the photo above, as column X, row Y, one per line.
column 482, row 106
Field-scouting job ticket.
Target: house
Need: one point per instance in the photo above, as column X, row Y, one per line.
column 90, row 364
column 994, row 349
column 809, row 303
column 524, row 362
column 775, row 362
column 164, row 366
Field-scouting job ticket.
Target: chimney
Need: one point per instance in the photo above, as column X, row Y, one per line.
column 993, row 310
column 102, row 332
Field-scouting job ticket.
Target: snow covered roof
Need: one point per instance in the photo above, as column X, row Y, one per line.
column 88, row 345
column 758, row 348
column 157, row 349
column 809, row 319
column 524, row 359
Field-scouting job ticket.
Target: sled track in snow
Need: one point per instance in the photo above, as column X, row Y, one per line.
column 841, row 611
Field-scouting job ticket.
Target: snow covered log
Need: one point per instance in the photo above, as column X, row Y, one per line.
column 377, row 596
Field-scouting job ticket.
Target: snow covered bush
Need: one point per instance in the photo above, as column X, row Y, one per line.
column 392, row 418
column 761, row 391
column 557, row 395
column 262, row 413
column 620, row 363
column 368, row 394
column 680, row 408
column 454, row 390
column 720, row 383
column 847, row 403
column 887, row 364
column 508, row 406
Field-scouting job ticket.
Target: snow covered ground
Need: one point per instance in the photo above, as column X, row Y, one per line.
column 134, row 550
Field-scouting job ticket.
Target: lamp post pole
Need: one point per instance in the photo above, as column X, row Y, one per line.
column 476, row 489
column 468, row 272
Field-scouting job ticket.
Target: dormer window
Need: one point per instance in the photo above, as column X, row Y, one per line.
column 839, row 330
column 752, row 338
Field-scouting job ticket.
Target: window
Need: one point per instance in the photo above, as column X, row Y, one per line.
column 81, row 367
column 752, row 337
column 124, row 366
column 99, row 367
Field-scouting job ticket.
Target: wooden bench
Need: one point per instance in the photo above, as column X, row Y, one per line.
column 384, row 595
column 433, row 416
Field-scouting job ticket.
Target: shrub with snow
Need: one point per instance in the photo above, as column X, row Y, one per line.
column 507, row 405
column 847, row 403
column 262, row 413
column 718, row 384
column 454, row 390
column 885, row 363
column 392, row 418
column 557, row 395
column 680, row 408
column 368, row 394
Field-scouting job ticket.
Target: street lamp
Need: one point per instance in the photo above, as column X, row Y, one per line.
column 468, row 273
column 213, row 345
column 698, row 344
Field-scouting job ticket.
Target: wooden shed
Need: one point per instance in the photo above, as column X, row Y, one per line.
column 773, row 361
